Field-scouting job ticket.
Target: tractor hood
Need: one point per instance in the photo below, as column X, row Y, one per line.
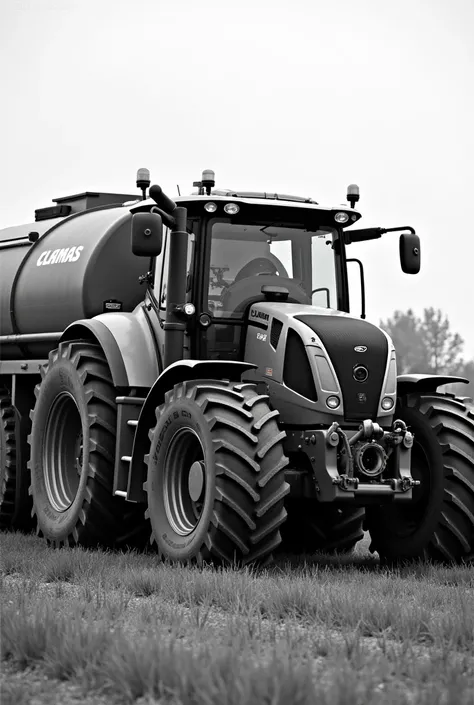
column 322, row 359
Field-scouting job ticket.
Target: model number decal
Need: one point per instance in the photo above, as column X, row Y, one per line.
column 66, row 254
column 261, row 336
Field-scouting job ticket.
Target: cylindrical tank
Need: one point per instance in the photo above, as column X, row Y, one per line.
column 77, row 265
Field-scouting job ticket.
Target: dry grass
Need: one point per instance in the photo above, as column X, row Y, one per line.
column 121, row 628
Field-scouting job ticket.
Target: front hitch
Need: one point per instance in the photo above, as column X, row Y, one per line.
column 367, row 462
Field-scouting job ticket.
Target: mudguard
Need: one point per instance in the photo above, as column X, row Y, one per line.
column 424, row 384
column 174, row 374
column 127, row 342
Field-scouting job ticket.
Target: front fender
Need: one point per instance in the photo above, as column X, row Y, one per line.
column 424, row 384
column 127, row 342
column 179, row 371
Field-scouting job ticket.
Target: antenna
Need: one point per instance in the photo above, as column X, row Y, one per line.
column 179, row 192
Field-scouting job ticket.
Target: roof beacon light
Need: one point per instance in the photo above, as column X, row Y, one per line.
column 143, row 180
column 353, row 194
column 208, row 180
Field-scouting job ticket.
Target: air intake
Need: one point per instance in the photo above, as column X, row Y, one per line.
column 275, row 332
column 297, row 373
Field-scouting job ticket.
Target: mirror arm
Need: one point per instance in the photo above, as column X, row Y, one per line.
column 362, row 284
column 372, row 233
column 395, row 230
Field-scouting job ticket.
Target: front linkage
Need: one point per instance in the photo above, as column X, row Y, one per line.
column 342, row 460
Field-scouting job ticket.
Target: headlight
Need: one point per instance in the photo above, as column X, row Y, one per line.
column 210, row 207
column 333, row 402
column 387, row 403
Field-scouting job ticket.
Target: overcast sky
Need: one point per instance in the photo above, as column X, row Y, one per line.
column 300, row 96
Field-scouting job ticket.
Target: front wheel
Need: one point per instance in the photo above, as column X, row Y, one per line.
column 438, row 524
column 215, row 482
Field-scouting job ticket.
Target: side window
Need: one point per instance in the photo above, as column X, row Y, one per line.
column 164, row 275
column 323, row 273
column 161, row 292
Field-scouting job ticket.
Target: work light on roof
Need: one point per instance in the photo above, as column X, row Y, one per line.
column 210, row 207
column 231, row 208
column 341, row 217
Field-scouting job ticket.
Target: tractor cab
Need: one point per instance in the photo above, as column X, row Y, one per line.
column 264, row 252
column 236, row 249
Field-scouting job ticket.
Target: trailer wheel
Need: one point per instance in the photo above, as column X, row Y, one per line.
column 7, row 461
column 439, row 524
column 73, row 449
column 216, row 482
column 313, row 527
column 15, row 502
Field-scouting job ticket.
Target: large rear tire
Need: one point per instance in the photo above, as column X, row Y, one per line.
column 15, row 503
column 73, row 449
column 439, row 524
column 216, row 481
column 313, row 527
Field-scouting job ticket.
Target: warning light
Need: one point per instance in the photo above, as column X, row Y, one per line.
column 353, row 194
column 208, row 180
column 143, row 180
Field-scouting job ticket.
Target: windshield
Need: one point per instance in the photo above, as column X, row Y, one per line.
column 246, row 257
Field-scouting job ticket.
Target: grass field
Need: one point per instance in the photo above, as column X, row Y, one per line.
column 91, row 627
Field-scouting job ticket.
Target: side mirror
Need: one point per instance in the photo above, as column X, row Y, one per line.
column 410, row 253
column 147, row 234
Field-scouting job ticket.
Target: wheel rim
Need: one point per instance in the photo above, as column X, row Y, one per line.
column 63, row 452
column 184, row 481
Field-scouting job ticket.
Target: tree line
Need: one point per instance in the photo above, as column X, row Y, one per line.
column 426, row 344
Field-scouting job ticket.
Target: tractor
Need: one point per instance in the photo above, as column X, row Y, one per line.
column 189, row 373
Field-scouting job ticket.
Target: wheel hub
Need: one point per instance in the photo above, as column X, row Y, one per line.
column 63, row 451
column 196, row 480
column 184, row 481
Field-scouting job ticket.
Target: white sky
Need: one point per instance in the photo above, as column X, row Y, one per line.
column 302, row 97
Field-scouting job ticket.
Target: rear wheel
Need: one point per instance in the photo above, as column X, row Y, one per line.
column 73, row 449
column 15, row 503
column 313, row 527
column 216, row 483
column 439, row 524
